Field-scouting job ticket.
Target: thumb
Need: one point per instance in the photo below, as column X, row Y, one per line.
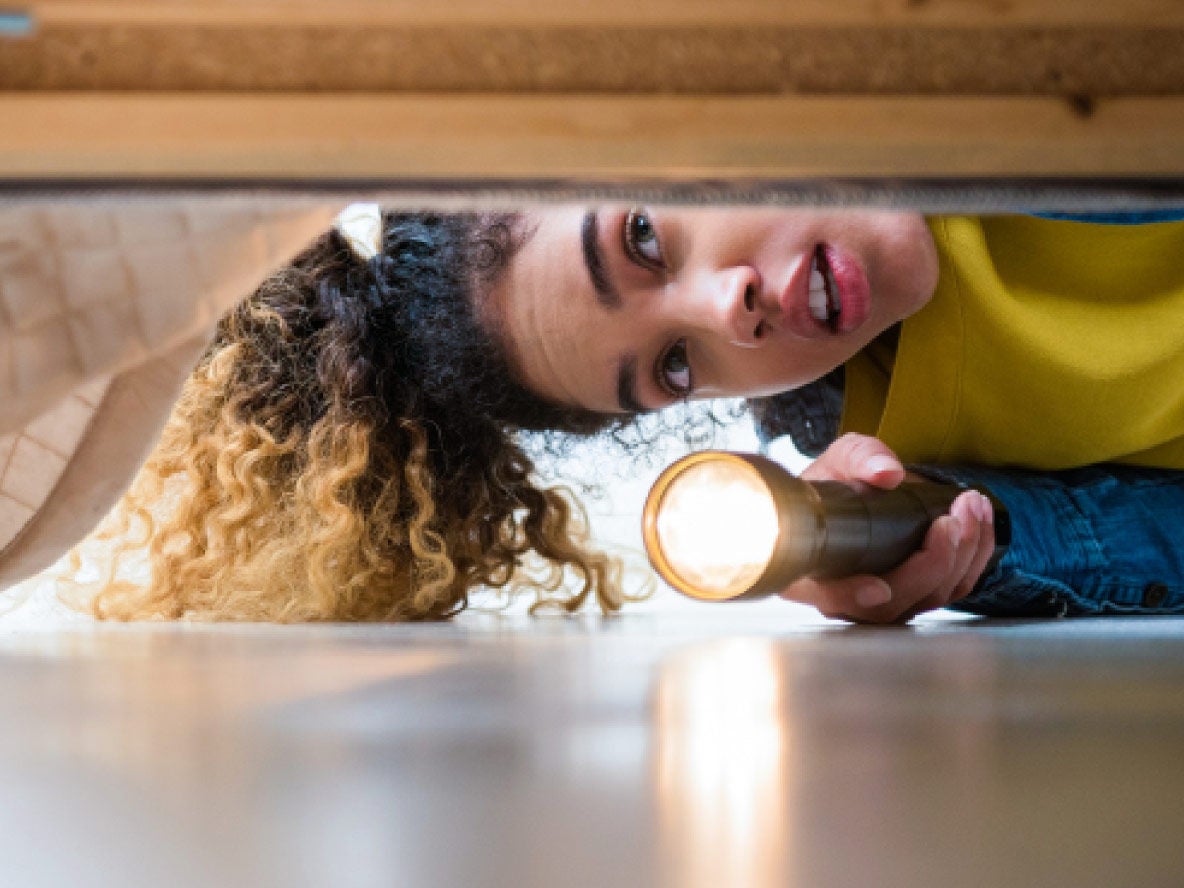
column 855, row 457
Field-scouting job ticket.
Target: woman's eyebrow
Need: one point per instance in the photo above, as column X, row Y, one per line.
column 606, row 292
column 610, row 297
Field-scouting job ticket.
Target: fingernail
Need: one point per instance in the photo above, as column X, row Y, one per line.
column 988, row 510
column 873, row 595
column 878, row 464
column 955, row 529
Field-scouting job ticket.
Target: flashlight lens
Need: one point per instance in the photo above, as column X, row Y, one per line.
column 717, row 527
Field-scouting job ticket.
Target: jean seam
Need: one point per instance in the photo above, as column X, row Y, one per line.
column 1023, row 592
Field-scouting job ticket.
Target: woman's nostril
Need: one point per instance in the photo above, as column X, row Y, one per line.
column 759, row 331
column 750, row 297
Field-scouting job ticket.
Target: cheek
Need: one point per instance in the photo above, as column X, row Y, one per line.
column 905, row 259
column 792, row 365
column 758, row 372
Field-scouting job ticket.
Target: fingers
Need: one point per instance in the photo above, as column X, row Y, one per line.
column 857, row 458
column 848, row 598
column 930, row 581
column 985, row 513
column 950, row 561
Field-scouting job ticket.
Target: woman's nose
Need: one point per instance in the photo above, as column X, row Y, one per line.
column 734, row 305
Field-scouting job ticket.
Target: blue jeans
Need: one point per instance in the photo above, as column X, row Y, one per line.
column 1104, row 539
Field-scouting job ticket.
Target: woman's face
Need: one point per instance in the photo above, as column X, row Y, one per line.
column 624, row 310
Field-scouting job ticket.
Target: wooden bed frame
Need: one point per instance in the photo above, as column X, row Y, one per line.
column 510, row 91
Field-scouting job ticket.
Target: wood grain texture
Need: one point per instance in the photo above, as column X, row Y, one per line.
column 475, row 137
column 484, row 89
column 727, row 59
column 615, row 13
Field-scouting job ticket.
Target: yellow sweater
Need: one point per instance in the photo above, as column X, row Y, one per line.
column 1048, row 344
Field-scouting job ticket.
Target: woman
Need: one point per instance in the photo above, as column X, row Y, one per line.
column 346, row 449
column 1046, row 345
column 735, row 303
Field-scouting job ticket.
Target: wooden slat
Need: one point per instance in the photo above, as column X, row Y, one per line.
column 1089, row 61
column 481, row 137
column 615, row 13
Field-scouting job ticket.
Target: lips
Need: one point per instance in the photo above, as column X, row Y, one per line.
column 828, row 294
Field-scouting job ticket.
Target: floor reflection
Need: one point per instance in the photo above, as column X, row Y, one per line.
column 723, row 764
column 729, row 752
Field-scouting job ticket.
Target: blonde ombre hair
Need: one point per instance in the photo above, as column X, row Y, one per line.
column 346, row 450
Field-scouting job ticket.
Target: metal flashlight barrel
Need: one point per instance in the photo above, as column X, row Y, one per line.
column 825, row 529
column 868, row 530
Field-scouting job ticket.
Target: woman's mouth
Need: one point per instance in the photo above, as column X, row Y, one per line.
column 838, row 298
column 827, row 293
column 825, row 300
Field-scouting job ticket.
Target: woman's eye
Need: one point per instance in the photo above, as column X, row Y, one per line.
column 674, row 370
column 641, row 241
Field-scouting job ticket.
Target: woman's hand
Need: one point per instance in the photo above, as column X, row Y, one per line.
column 946, row 567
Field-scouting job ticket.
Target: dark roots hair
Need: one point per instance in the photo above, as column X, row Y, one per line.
column 346, row 449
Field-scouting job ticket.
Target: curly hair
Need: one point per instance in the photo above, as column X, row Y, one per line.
column 347, row 449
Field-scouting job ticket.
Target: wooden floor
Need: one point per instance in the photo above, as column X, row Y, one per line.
column 718, row 748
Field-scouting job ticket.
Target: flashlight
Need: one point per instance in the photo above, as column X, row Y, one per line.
column 720, row 526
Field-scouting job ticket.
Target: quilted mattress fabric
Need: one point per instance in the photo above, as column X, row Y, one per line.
column 102, row 296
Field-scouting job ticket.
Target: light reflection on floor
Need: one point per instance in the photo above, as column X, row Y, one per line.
column 705, row 747
column 723, row 765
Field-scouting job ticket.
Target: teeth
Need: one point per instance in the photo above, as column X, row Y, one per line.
column 818, row 307
column 825, row 304
column 819, row 303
